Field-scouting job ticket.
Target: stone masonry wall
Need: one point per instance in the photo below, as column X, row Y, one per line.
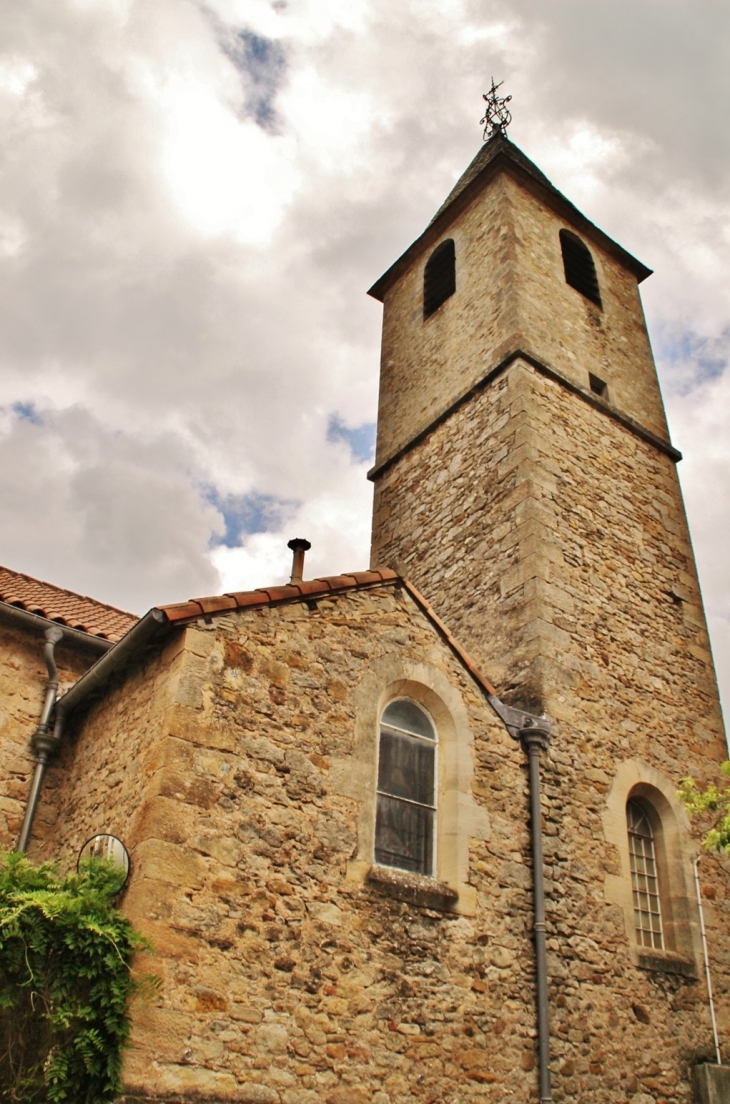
column 22, row 689
column 426, row 365
column 287, row 976
column 560, row 326
column 106, row 772
column 554, row 543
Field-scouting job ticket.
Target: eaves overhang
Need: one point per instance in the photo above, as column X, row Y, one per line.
column 36, row 624
column 148, row 631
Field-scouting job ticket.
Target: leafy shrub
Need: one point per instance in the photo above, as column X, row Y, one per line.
column 65, row 982
column 711, row 807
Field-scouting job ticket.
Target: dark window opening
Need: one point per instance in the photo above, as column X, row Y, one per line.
column 405, row 817
column 580, row 270
column 644, row 878
column 598, row 386
column 439, row 277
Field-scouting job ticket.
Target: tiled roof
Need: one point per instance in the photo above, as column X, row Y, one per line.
column 63, row 606
column 266, row 596
column 498, row 143
column 320, row 588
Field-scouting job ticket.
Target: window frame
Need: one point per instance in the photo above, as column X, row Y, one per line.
column 435, row 785
column 635, row 806
column 636, row 780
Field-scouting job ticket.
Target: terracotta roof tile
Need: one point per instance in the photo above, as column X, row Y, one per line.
column 281, row 593
column 245, row 598
column 216, row 605
column 339, row 582
column 386, row 576
column 312, row 587
column 182, row 611
column 75, row 610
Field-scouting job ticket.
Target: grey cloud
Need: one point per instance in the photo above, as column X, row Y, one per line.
column 187, row 382
column 654, row 67
column 106, row 513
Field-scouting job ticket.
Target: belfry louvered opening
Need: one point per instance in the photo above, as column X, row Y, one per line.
column 580, row 270
column 439, row 277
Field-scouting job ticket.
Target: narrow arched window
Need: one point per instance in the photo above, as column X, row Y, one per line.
column 405, row 820
column 439, row 277
column 580, row 270
column 644, row 877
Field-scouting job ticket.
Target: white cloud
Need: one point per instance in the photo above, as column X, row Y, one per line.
column 15, row 76
column 208, row 160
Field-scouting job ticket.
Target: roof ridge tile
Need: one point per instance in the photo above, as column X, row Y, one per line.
column 264, row 596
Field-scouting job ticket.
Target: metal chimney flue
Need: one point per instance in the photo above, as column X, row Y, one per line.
column 298, row 546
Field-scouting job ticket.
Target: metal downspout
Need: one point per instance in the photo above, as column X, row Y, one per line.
column 534, row 734
column 43, row 740
column 706, row 957
column 532, row 743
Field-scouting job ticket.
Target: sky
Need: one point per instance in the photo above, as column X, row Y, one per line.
column 194, row 199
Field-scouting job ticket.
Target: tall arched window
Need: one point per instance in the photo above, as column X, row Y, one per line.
column 644, row 877
column 439, row 277
column 580, row 270
column 405, row 820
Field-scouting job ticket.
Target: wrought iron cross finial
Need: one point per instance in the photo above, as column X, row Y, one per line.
column 497, row 116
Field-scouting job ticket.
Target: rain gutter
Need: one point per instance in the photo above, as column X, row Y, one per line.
column 23, row 619
column 45, row 740
column 153, row 624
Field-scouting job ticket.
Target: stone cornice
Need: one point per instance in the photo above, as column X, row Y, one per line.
column 545, row 370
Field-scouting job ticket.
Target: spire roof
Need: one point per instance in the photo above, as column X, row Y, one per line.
column 499, row 154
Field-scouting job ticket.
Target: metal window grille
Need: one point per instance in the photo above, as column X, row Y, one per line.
column 644, row 880
column 405, row 820
column 580, row 270
column 439, row 277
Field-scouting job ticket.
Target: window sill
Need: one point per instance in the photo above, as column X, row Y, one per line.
column 666, row 962
column 413, row 888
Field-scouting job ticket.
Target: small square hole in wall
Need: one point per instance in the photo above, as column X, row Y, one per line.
column 598, row 386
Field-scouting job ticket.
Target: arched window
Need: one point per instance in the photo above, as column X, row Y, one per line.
column 405, row 820
column 580, row 270
column 644, row 877
column 439, row 277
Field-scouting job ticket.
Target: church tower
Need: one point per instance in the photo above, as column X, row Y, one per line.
column 526, row 483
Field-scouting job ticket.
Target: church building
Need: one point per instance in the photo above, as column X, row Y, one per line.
column 410, row 835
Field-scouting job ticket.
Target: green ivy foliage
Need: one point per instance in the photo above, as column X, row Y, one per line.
column 711, row 807
column 65, row 982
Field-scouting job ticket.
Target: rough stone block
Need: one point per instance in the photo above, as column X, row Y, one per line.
column 711, row 1084
column 171, row 863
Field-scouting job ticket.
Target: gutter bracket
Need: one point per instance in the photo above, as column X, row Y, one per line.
column 519, row 723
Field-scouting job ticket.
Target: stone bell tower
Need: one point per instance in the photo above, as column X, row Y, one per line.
column 526, row 483
column 524, row 476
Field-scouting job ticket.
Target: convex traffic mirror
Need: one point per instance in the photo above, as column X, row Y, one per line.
column 108, row 848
